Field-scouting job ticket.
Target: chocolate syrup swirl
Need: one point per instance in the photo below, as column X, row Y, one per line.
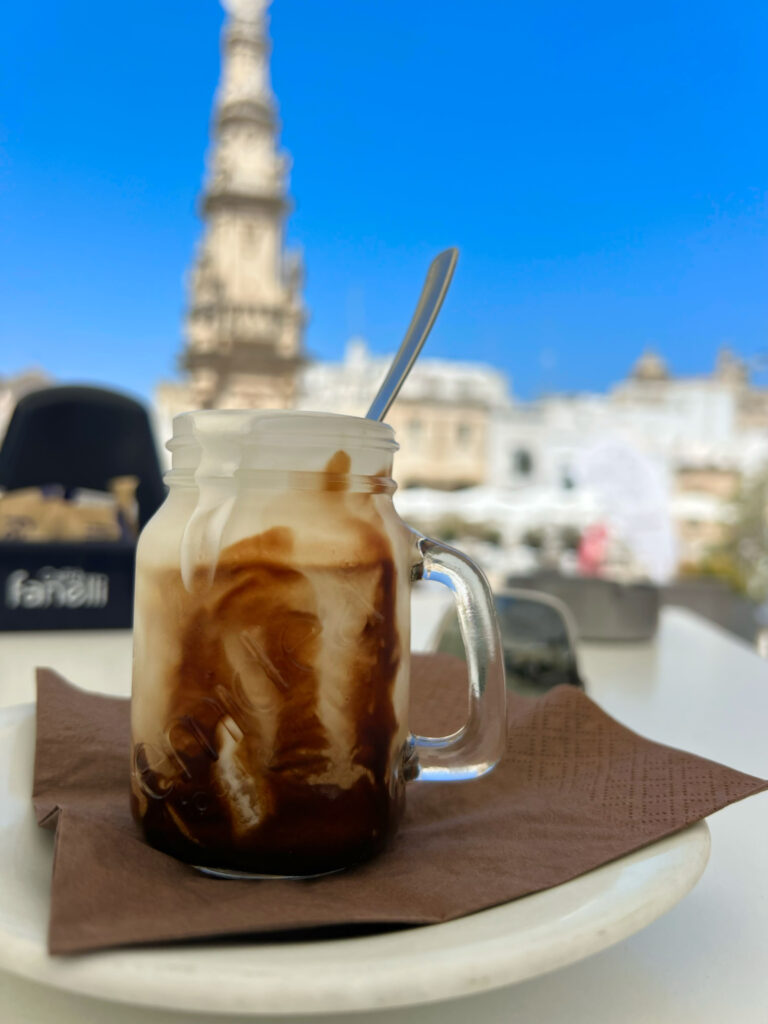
column 277, row 751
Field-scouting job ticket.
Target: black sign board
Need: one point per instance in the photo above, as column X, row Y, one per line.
column 66, row 586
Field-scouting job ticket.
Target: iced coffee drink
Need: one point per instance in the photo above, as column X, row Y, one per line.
column 271, row 651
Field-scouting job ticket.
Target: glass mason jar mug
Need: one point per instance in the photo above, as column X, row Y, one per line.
column 272, row 648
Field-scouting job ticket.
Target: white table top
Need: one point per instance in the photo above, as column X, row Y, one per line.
column 694, row 687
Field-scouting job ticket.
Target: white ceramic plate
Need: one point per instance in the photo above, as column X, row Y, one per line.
column 493, row 948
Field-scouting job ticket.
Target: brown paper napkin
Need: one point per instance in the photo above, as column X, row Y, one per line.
column 576, row 790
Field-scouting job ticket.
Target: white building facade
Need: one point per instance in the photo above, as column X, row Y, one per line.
column 442, row 417
column 656, row 459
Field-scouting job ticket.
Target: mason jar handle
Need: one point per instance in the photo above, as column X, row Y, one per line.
column 479, row 744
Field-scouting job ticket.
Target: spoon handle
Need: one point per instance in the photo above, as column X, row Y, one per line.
column 432, row 294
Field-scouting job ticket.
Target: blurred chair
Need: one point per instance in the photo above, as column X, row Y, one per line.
column 604, row 610
column 538, row 638
column 720, row 604
column 81, row 437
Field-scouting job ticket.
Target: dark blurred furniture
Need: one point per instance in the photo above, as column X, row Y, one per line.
column 76, row 437
column 603, row 609
column 606, row 610
column 716, row 602
column 81, row 437
column 538, row 641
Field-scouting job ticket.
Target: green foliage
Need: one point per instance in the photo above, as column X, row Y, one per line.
column 741, row 560
column 570, row 538
column 453, row 528
column 567, row 538
column 718, row 565
column 533, row 539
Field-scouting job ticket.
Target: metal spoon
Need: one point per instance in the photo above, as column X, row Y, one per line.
column 431, row 299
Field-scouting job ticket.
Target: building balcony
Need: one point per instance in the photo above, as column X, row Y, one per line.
column 239, row 197
column 246, row 111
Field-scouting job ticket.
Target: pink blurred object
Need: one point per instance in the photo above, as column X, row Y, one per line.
column 592, row 549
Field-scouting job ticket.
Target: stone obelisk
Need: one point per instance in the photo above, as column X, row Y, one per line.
column 245, row 317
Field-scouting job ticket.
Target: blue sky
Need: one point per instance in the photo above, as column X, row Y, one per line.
column 602, row 167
